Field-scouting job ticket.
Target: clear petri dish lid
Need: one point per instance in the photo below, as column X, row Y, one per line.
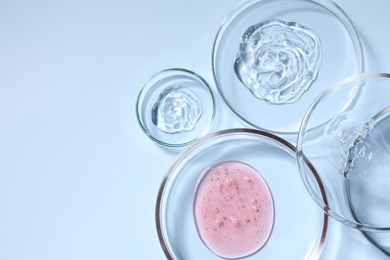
column 175, row 107
column 350, row 152
column 272, row 58
column 299, row 227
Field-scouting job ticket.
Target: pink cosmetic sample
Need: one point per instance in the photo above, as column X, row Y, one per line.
column 233, row 210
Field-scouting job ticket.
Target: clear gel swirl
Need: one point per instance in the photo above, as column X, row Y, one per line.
column 176, row 109
column 346, row 142
column 359, row 149
column 277, row 61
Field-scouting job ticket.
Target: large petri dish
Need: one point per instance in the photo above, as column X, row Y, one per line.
column 175, row 107
column 341, row 56
column 351, row 154
column 299, row 227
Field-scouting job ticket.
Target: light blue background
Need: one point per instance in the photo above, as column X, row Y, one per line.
column 78, row 178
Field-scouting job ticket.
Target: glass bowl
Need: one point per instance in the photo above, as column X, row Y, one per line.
column 299, row 227
column 175, row 107
column 340, row 49
column 351, row 154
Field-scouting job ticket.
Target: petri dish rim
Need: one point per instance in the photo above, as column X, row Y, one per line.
column 275, row 140
column 301, row 158
column 331, row 6
column 149, row 84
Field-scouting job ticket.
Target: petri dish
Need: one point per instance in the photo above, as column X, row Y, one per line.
column 340, row 48
column 350, row 152
column 175, row 107
column 299, row 227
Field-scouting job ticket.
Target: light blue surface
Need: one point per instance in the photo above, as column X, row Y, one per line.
column 78, row 177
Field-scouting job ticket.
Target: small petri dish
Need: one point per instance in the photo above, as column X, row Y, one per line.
column 175, row 107
column 298, row 226
column 350, row 152
column 261, row 64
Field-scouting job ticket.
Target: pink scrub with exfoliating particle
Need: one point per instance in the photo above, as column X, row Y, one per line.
column 233, row 210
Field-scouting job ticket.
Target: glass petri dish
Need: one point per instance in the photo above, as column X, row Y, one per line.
column 350, row 153
column 340, row 49
column 175, row 107
column 299, row 227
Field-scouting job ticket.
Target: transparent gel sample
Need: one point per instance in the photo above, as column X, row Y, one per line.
column 346, row 142
column 374, row 161
column 176, row 109
column 277, row 61
column 360, row 149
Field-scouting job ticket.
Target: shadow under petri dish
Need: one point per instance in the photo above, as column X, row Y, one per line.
column 368, row 179
column 350, row 153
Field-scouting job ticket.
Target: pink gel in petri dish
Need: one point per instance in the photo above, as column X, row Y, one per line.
column 233, row 210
